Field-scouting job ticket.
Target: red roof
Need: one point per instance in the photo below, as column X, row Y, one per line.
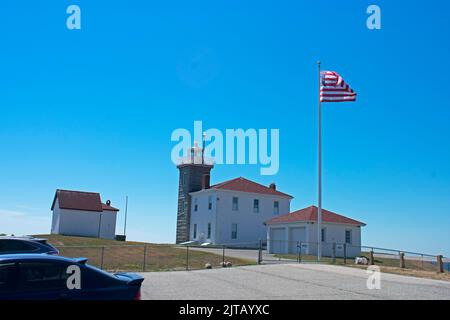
column 80, row 200
column 245, row 185
column 310, row 214
column 106, row 207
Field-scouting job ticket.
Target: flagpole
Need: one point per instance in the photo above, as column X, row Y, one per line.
column 319, row 210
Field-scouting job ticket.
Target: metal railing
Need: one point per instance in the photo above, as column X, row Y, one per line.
column 344, row 253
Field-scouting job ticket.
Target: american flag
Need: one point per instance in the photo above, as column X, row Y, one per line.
column 334, row 89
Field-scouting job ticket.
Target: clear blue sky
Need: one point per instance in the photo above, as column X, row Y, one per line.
column 94, row 109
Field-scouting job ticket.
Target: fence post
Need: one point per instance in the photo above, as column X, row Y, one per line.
column 334, row 252
column 260, row 252
column 187, row 258
column 402, row 260
column 101, row 261
column 345, row 253
column 440, row 264
column 372, row 261
column 145, row 258
column 300, row 253
column 223, row 256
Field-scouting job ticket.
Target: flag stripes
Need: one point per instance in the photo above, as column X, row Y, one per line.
column 333, row 88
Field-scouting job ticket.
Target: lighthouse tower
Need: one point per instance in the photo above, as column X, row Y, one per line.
column 194, row 176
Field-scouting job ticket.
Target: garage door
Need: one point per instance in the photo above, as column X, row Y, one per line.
column 296, row 235
column 278, row 240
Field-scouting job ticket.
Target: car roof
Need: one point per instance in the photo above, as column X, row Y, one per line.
column 30, row 238
column 35, row 256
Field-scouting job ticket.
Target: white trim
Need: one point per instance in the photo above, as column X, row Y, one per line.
column 309, row 221
column 236, row 191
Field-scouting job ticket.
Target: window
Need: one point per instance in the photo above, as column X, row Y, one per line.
column 235, row 204
column 276, row 208
column 195, row 205
column 209, row 230
column 195, row 231
column 256, row 205
column 324, row 235
column 210, row 203
column 348, row 236
column 12, row 246
column 38, row 276
column 185, row 179
column 7, row 272
column 234, row 231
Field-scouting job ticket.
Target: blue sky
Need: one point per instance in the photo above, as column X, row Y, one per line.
column 94, row 109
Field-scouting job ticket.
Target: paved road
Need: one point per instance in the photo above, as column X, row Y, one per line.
column 286, row 281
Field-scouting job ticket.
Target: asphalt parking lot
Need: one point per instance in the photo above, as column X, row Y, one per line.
column 287, row 281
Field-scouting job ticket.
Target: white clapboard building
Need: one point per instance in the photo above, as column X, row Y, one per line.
column 234, row 211
column 290, row 232
column 77, row 213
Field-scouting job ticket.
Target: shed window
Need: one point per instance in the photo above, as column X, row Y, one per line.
column 348, row 236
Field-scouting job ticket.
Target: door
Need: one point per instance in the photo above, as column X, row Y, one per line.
column 278, row 240
column 296, row 235
column 106, row 228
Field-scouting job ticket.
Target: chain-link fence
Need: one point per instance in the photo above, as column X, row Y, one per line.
column 142, row 258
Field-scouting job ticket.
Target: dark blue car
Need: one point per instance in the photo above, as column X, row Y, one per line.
column 25, row 244
column 46, row 277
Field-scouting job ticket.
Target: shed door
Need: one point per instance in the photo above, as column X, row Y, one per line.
column 277, row 240
column 296, row 235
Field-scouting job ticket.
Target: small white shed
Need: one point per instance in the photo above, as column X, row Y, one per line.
column 288, row 233
column 77, row 213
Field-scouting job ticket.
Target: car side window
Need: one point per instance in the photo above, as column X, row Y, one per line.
column 7, row 276
column 97, row 278
column 16, row 246
column 42, row 276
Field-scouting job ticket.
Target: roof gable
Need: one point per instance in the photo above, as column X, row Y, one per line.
column 78, row 200
column 310, row 214
column 244, row 185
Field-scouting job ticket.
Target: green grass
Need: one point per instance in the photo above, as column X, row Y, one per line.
column 130, row 255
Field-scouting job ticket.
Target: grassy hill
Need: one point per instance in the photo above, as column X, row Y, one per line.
column 116, row 256
column 60, row 240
